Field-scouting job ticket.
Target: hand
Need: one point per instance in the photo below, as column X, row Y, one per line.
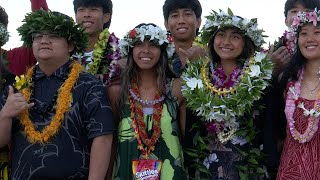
column 279, row 57
column 192, row 53
column 15, row 104
column 122, row 63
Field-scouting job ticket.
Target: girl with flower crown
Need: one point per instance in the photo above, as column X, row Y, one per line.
column 224, row 90
column 150, row 107
column 300, row 155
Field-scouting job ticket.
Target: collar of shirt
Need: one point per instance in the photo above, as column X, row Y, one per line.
column 61, row 72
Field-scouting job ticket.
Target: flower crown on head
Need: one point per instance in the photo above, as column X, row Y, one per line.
column 150, row 32
column 219, row 20
column 303, row 18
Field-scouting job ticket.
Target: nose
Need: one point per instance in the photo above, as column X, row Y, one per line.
column 45, row 38
column 181, row 19
column 87, row 13
column 226, row 39
column 146, row 47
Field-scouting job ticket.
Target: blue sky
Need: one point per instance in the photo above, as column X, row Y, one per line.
column 129, row 13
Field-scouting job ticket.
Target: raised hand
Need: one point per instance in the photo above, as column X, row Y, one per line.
column 15, row 104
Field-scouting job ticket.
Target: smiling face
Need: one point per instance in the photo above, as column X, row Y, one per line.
column 92, row 19
column 183, row 23
column 228, row 44
column 309, row 42
column 146, row 54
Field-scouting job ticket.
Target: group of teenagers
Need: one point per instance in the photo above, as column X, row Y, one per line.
column 178, row 103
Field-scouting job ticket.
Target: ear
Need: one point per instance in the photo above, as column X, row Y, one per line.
column 166, row 25
column 106, row 17
column 199, row 20
column 286, row 21
column 70, row 47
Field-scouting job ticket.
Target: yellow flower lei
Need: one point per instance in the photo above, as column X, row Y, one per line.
column 63, row 104
column 211, row 87
column 98, row 51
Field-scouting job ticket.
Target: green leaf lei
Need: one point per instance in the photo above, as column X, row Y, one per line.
column 225, row 108
column 228, row 107
column 98, row 51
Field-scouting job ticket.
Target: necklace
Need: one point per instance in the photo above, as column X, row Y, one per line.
column 221, row 80
column 218, row 90
column 292, row 102
column 140, row 129
column 145, row 102
column 63, row 104
column 311, row 91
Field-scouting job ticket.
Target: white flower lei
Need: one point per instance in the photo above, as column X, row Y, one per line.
column 218, row 20
column 4, row 34
column 225, row 108
column 154, row 33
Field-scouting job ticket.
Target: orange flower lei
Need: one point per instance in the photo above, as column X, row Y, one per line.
column 139, row 126
column 63, row 105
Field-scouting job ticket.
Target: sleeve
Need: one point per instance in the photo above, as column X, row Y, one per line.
column 20, row 59
column 98, row 118
column 38, row 4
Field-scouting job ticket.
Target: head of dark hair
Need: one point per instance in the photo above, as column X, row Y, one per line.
column 171, row 5
column 309, row 4
column 247, row 52
column 106, row 5
column 3, row 16
column 292, row 69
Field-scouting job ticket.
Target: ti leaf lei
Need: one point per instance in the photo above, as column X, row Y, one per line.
column 106, row 53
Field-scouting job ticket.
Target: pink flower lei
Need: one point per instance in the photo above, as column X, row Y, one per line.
column 292, row 102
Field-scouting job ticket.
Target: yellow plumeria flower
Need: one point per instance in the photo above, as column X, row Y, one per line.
column 21, row 82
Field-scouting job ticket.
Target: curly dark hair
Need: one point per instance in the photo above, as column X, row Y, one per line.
column 309, row 4
column 105, row 4
column 3, row 16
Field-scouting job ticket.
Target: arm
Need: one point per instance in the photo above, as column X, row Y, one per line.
column 113, row 94
column 100, row 157
column 182, row 104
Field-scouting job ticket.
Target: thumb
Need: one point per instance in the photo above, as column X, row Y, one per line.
column 11, row 91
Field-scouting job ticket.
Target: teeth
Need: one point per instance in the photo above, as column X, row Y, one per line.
column 87, row 23
column 146, row 59
column 225, row 49
column 311, row 47
column 182, row 29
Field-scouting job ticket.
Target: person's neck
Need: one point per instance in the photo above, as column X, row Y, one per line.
column 228, row 66
column 148, row 79
column 93, row 38
column 312, row 69
column 183, row 44
column 49, row 67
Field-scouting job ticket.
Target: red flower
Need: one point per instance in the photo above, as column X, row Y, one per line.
column 133, row 33
column 170, row 38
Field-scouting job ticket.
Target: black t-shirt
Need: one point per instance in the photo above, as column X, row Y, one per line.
column 67, row 154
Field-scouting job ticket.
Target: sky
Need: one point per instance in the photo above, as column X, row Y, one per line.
column 129, row 13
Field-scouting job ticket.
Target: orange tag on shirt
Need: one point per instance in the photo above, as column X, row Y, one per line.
column 146, row 169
